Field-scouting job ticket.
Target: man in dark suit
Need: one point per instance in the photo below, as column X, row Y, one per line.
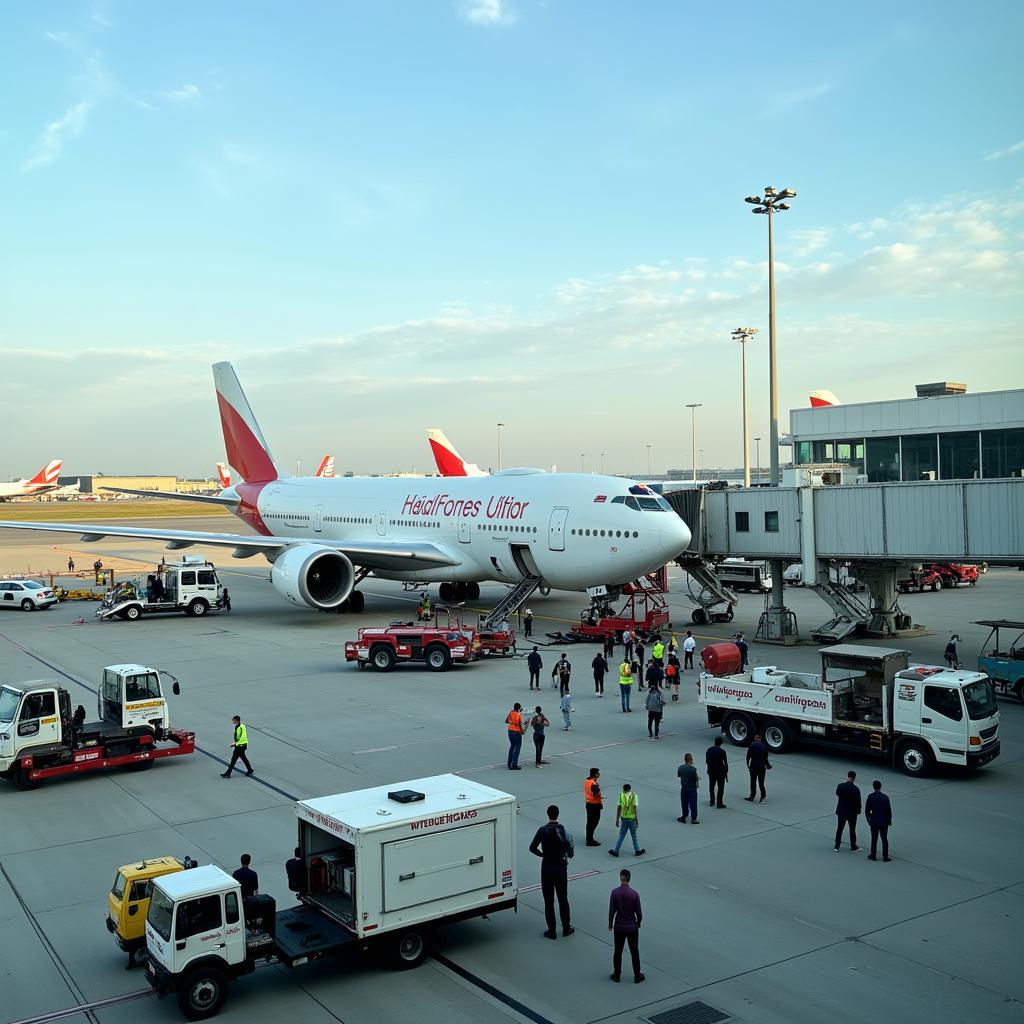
column 757, row 764
column 878, row 812
column 847, row 810
column 718, row 771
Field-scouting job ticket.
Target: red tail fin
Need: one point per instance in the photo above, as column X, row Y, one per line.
column 246, row 449
column 49, row 473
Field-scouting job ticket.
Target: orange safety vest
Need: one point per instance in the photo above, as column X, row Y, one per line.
column 515, row 721
column 588, row 792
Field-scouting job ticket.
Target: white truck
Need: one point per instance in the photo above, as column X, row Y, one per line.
column 191, row 586
column 866, row 698
column 380, row 866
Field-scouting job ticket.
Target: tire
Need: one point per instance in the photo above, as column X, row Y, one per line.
column 133, row 612
column 23, row 782
column 739, row 727
column 777, row 735
column 698, row 616
column 203, row 993
column 410, row 950
column 544, row 591
column 27, row 605
column 936, row 584
column 983, row 568
column 382, row 658
column 446, row 591
column 356, row 601
column 914, row 759
column 137, row 957
column 198, row 607
column 438, row 658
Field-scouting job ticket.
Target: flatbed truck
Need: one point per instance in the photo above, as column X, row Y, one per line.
column 865, row 698
column 41, row 738
column 191, row 586
column 381, row 866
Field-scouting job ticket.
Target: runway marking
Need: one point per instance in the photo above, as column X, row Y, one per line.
column 414, row 743
column 571, row 878
column 87, row 1008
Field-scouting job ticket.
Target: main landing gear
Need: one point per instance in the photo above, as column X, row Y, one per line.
column 459, row 592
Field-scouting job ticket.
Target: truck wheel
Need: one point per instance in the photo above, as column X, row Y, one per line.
column 698, row 616
column 198, row 607
column 778, row 736
column 203, row 993
column 915, row 759
column 137, row 957
column 740, row 729
column 133, row 612
column 27, row 605
column 410, row 950
column 24, row 782
column 438, row 658
column 383, row 658
column 356, row 601
column 937, row 584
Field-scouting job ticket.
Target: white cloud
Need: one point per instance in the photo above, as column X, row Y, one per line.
column 50, row 143
column 487, row 12
column 998, row 154
column 797, row 97
column 188, row 93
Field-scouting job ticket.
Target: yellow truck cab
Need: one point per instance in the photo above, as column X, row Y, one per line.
column 128, row 902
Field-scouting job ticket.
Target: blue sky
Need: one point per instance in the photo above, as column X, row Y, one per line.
column 399, row 215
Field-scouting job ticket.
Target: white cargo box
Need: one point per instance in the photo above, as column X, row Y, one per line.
column 375, row 864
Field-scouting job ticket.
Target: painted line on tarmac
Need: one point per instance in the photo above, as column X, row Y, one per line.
column 571, row 878
column 415, row 743
column 87, row 1008
column 495, row 993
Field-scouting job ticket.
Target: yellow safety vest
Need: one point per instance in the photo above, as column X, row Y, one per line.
column 627, row 805
column 658, row 650
column 241, row 736
column 625, row 674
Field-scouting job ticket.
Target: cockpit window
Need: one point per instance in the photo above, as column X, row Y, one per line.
column 650, row 504
column 618, row 499
column 631, row 503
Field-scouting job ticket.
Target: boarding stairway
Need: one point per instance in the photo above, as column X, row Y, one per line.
column 709, row 592
column 510, row 602
column 852, row 615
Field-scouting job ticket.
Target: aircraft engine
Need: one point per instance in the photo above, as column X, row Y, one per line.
column 313, row 576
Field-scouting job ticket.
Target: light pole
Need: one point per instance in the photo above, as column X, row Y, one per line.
column 582, row 454
column 693, row 407
column 743, row 335
column 757, row 443
column 602, row 463
column 648, row 447
column 500, row 425
column 775, row 620
column 700, row 462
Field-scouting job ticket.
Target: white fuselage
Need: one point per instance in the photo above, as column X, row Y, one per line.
column 574, row 530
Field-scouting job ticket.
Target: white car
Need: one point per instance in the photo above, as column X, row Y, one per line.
column 26, row 595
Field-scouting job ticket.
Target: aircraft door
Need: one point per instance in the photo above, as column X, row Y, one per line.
column 556, row 529
column 318, row 519
column 382, row 523
column 464, row 531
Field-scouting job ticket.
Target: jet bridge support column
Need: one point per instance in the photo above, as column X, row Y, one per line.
column 886, row 616
column 777, row 623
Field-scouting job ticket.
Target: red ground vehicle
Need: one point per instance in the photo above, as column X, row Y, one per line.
column 645, row 609
column 496, row 641
column 437, row 647
column 938, row 575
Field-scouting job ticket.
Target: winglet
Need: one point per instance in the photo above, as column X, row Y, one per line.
column 244, row 443
column 449, row 461
column 49, row 473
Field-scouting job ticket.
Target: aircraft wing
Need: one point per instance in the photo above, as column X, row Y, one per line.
column 210, row 499
column 380, row 554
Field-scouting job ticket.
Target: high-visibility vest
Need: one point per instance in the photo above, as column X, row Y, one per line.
column 515, row 721
column 588, row 792
column 625, row 674
column 658, row 650
column 241, row 736
column 627, row 805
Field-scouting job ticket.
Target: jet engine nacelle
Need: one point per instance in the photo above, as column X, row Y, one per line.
column 313, row 576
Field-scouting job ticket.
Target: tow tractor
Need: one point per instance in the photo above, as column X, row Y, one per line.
column 191, row 586
column 128, row 902
column 938, row 575
column 1004, row 665
column 645, row 609
column 41, row 738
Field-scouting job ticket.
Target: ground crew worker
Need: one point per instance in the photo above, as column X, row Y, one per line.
column 528, row 622
column 534, row 664
column 238, row 748
column 563, row 670
column 553, row 844
column 247, row 878
column 627, row 819
column 672, row 672
column 225, row 599
column 600, row 667
column 594, row 803
column 658, row 651
column 424, row 609
column 625, row 683
column 689, row 646
column 71, row 565
column 516, row 727
column 296, row 871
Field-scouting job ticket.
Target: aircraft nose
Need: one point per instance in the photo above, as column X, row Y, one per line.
column 674, row 537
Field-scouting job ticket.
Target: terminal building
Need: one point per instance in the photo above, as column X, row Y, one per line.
column 95, row 483
column 942, row 434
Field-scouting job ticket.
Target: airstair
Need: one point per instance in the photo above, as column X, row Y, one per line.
column 510, row 602
column 714, row 600
column 852, row 615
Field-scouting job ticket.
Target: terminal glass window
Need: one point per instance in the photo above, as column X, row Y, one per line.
column 883, row 459
column 803, row 453
column 1002, row 453
column 958, row 456
column 920, row 457
column 852, row 452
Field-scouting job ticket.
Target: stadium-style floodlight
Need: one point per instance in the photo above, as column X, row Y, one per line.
column 743, row 335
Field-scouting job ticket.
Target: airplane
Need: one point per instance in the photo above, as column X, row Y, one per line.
column 823, row 398
column 449, row 461
column 45, row 480
column 324, row 535
column 326, row 468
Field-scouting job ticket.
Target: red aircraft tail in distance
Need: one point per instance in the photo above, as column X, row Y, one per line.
column 820, row 399
column 223, row 475
column 449, row 461
column 47, row 476
column 326, row 467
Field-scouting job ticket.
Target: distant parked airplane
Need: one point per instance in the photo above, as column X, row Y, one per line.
column 449, row 461
column 823, row 398
column 45, row 480
column 325, row 469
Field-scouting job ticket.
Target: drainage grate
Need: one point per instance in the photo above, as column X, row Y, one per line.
column 690, row 1013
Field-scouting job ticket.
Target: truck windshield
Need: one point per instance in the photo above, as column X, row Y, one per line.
column 161, row 911
column 981, row 699
column 142, row 686
column 9, row 700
